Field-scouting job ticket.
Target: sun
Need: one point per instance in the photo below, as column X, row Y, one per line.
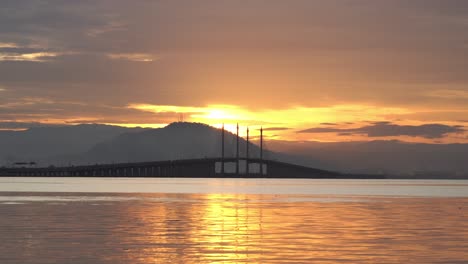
column 219, row 114
column 226, row 113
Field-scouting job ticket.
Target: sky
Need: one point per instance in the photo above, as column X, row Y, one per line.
column 305, row 70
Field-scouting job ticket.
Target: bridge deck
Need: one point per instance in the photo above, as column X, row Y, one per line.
column 191, row 168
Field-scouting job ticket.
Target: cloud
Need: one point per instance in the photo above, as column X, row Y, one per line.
column 328, row 124
column 108, row 27
column 448, row 94
column 168, row 108
column 27, row 101
column 386, row 129
column 380, row 123
column 7, row 45
column 138, row 57
column 216, row 112
column 28, row 52
column 276, row 128
column 33, row 57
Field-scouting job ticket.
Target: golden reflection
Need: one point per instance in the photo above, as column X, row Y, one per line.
column 238, row 228
column 231, row 228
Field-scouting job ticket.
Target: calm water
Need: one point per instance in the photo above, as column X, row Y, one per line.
column 58, row 220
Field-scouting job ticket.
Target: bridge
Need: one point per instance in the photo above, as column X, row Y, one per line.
column 222, row 167
column 193, row 168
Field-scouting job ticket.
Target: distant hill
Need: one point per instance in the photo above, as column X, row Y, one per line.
column 385, row 157
column 175, row 141
column 42, row 143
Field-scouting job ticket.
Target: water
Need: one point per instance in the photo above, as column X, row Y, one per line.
column 64, row 220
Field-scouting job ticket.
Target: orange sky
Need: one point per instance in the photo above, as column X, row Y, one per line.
column 338, row 69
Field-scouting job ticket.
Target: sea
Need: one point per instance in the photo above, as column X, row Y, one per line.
column 180, row 220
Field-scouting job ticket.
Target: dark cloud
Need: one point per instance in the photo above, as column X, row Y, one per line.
column 345, row 134
column 386, row 129
column 381, row 123
column 30, row 109
column 328, row 124
column 336, row 124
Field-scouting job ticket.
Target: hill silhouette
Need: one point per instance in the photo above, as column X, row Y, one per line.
column 181, row 140
column 41, row 144
column 175, row 141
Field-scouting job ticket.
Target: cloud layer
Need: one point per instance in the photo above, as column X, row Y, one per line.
column 386, row 129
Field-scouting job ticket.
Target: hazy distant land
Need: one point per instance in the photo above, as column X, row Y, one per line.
column 92, row 144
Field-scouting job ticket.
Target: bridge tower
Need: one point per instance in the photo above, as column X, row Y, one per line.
column 247, row 154
column 222, row 151
column 261, row 151
column 237, row 151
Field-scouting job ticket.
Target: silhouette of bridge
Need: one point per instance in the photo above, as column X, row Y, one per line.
column 192, row 168
column 232, row 167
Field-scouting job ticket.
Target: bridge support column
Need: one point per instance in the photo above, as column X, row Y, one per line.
column 261, row 151
column 247, row 164
column 237, row 150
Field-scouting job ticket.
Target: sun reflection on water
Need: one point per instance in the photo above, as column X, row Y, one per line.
column 237, row 228
column 231, row 226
